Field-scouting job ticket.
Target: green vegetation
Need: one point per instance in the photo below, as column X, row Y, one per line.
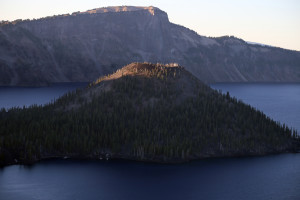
column 148, row 112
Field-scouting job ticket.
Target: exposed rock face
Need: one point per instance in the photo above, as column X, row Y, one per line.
column 85, row 45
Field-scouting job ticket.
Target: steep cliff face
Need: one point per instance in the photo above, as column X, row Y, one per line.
column 85, row 45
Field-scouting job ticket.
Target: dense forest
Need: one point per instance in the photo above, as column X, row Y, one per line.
column 149, row 112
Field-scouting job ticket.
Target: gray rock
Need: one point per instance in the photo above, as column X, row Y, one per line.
column 86, row 45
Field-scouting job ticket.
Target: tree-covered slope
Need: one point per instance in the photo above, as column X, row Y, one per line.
column 149, row 112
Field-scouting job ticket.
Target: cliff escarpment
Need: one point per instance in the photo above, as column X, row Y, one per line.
column 85, row 45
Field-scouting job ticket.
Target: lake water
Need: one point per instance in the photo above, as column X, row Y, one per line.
column 269, row 177
column 281, row 102
column 273, row 177
column 26, row 96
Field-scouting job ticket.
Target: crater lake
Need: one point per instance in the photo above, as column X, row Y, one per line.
column 267, row 177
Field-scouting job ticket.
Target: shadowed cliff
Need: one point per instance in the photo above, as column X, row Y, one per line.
column 85, row 45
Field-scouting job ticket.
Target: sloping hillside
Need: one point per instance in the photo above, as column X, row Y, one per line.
column 145, row 112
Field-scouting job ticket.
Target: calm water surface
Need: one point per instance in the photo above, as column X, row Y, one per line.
column 270, row 177
column 281, row 102
column 26, row 96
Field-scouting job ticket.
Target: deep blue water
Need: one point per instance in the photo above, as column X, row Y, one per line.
column 279, row 101
column 269, row 177
column 26, row 96
column 273, row 177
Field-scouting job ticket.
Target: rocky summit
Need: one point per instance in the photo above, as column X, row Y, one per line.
column 85, row 45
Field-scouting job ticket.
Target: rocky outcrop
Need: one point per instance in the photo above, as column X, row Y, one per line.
column 84, row 45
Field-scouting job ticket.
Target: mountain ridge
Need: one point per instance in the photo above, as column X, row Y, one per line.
column 150, row 9
column 81, row 47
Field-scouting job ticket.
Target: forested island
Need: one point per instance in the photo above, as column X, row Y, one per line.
column 145, row 112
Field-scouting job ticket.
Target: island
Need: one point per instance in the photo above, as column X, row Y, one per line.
column 143, row 112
